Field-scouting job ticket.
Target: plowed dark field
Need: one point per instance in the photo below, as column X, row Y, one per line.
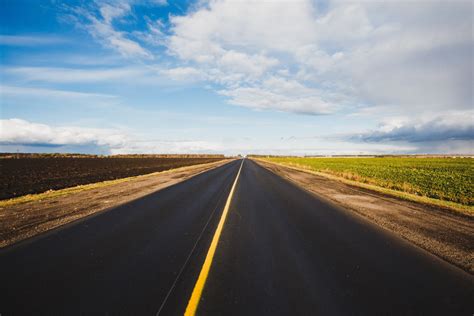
column 23, row 176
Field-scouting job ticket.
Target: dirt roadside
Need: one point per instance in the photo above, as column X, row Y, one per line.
column 446, row 234
column 24, row 220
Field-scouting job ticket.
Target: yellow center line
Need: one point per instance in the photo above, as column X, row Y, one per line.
column 199, row 286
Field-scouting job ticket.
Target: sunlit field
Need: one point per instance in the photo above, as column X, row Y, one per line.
column 449, row 179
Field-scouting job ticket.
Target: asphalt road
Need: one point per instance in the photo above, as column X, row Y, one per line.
column 282, row 251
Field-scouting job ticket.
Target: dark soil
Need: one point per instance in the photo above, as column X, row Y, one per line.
column 21, row 176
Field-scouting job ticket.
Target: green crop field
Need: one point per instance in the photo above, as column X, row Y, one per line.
column 449, row 179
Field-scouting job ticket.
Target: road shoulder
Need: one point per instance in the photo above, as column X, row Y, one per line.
column 446, row 234
column 19, row 221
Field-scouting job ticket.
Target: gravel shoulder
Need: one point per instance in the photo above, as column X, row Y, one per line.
column 24, row 220
column 447, row 234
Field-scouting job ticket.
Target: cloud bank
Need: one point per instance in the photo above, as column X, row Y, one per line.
column 18, row 133
column 445, row 128
column 21, row 132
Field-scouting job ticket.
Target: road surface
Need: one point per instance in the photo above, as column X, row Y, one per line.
column 281, row 251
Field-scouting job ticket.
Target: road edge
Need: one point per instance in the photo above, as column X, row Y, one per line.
column 94, row 185
column 43, row 227
column 453, row 207
column 469, row 269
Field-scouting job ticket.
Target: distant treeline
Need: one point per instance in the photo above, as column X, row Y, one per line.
column 365, row 156
column 270, row 156
column 36, row 155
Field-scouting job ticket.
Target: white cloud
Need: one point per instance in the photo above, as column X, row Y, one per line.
column 25, row 40
column 169, row 146
column 457, row 126
column 417, row 57
column 158, row 2
column 21, row 132
column 407, row 55
column 154, row 35
column 238, row 62
column 349, row 54
column 101, row 28
column 252, row 25
column 18, row 132
column 262, row 99
column 110, row 12
column 241, row 55
column 49, row 93
column 79, row 75
column 183, row 73
column 412, row 56
column 29, row 96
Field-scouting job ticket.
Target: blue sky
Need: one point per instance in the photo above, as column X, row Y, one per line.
column 276, row 77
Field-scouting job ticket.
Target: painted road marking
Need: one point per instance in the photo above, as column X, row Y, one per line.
column 199, row 286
